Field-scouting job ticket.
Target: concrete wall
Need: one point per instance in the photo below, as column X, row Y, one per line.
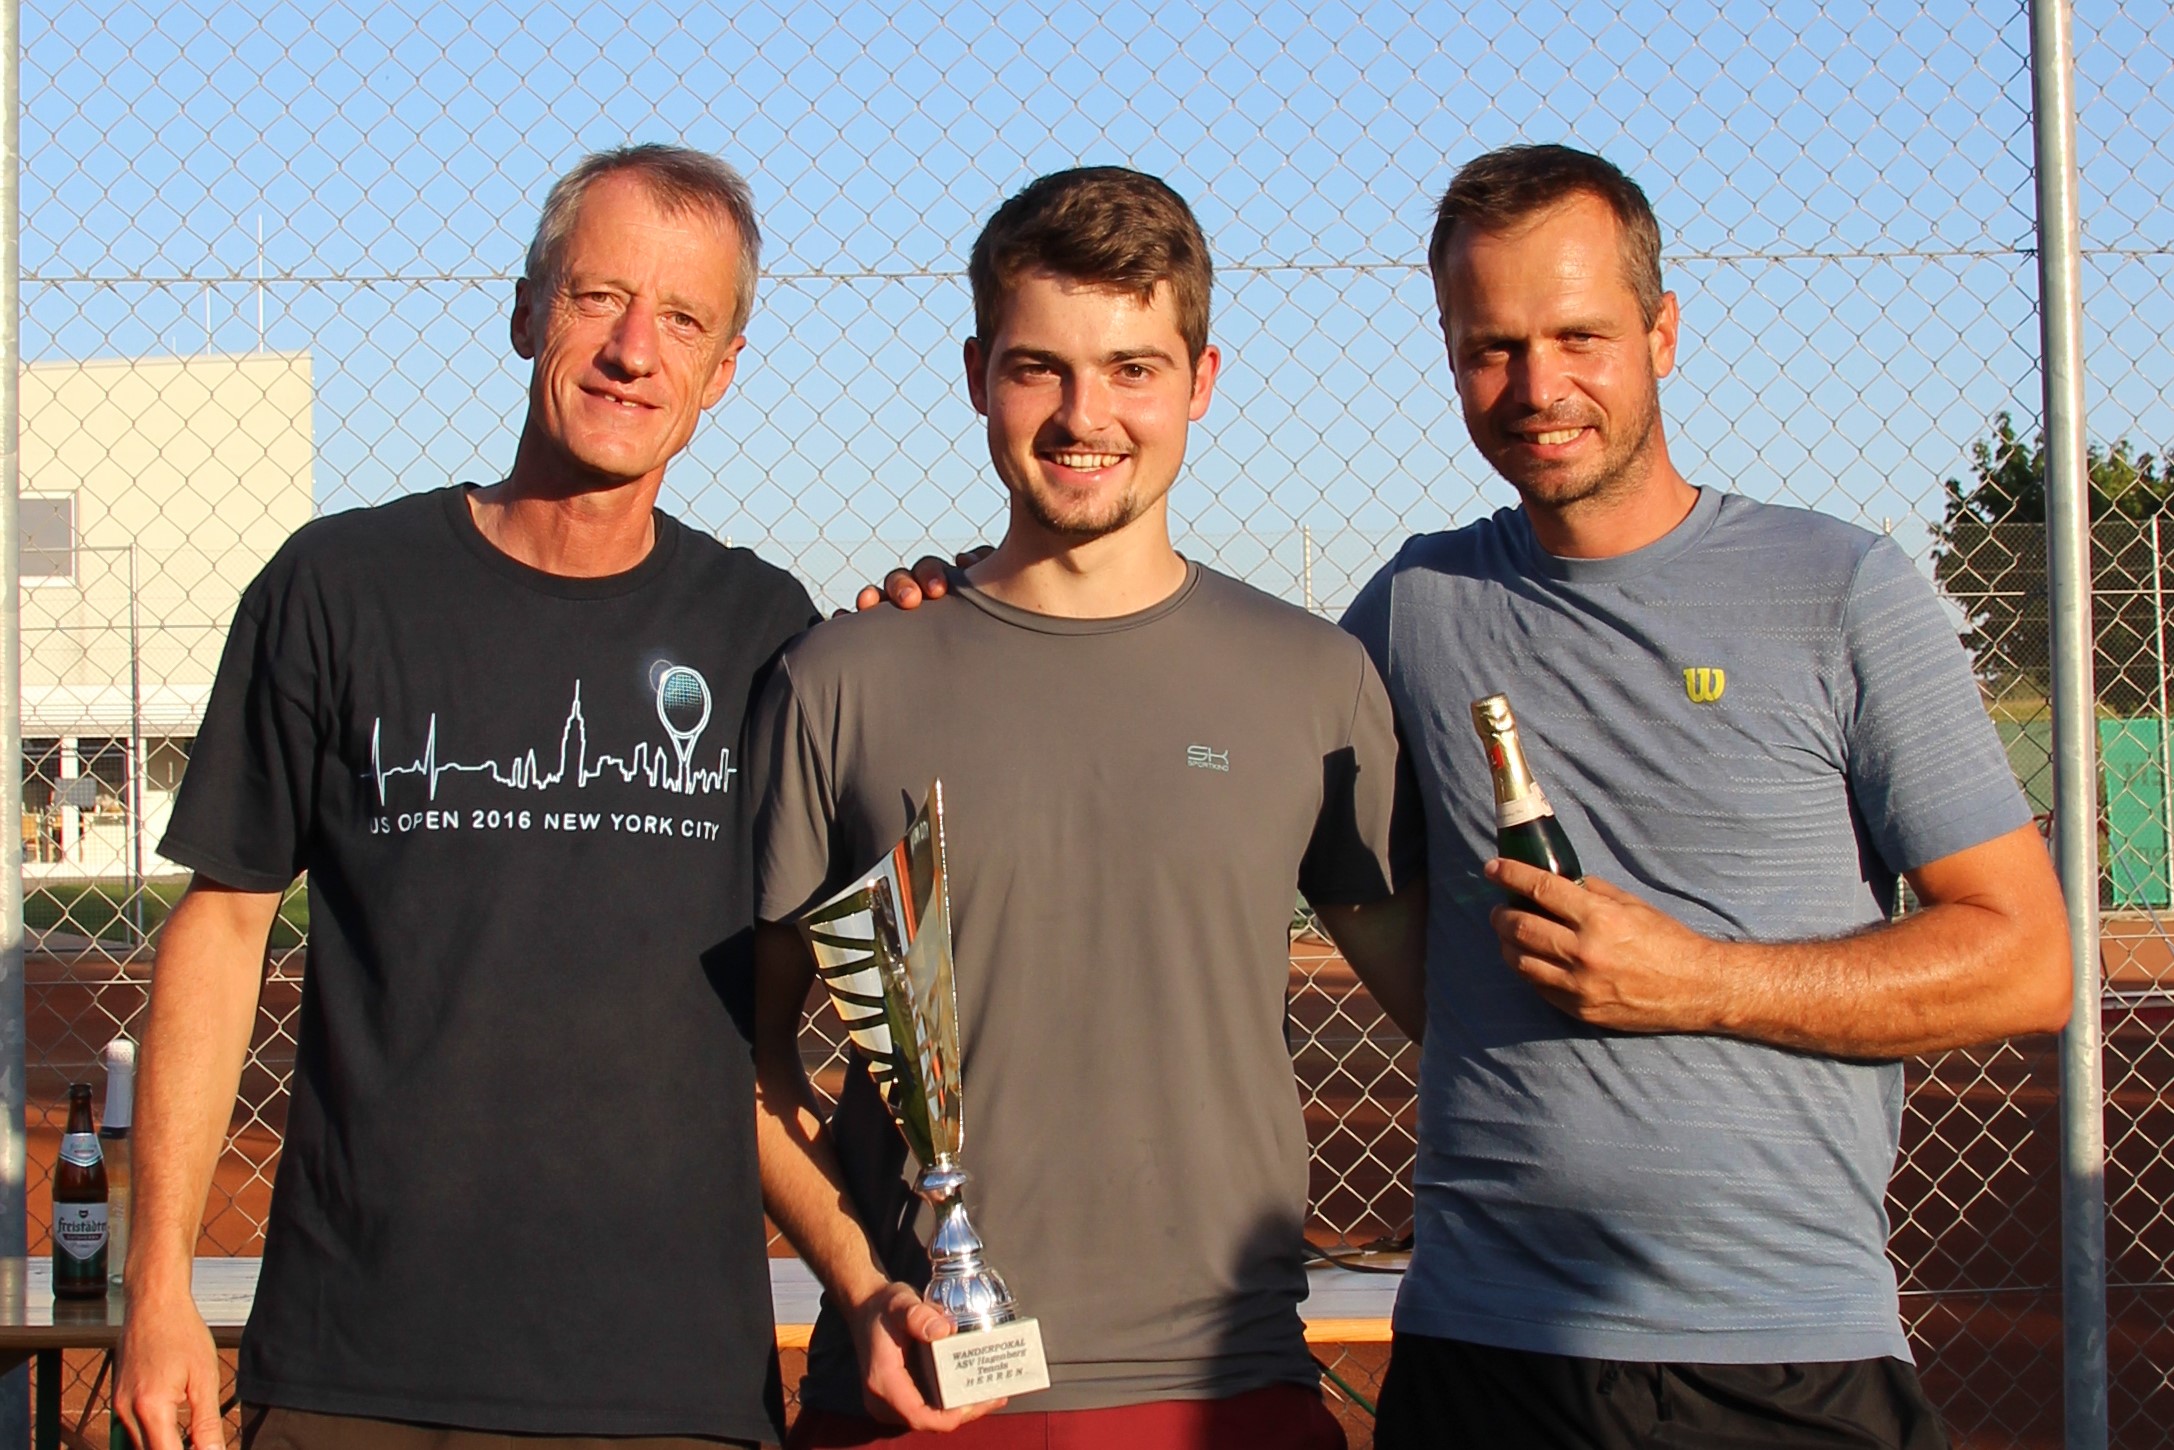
column 187, row 474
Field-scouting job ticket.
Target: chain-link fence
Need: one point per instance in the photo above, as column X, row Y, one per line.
column 268, row 249
column 2002, row 1164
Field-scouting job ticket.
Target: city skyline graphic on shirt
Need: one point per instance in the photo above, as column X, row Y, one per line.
column 683, row 709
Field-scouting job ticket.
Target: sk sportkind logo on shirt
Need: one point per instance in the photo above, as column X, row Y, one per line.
column 1704, row 683
column 1201, row 757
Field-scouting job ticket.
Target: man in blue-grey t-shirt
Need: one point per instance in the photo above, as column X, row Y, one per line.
column 1658, row 1116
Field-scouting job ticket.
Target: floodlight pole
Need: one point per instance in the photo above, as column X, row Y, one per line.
column 2075, row 743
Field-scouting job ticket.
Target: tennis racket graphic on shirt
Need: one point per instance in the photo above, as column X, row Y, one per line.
column 683, row 707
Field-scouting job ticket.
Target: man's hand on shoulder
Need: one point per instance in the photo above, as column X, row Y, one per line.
column 169, row 1376
column 889, row 1327
column 928, row 579
column 1605, row 957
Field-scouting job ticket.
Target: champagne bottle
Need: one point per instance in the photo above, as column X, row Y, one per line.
column 1525, row 826
column 79, row 1204
column 120, row 1056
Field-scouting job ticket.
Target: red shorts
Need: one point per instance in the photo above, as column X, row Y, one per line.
column 1275, row 1417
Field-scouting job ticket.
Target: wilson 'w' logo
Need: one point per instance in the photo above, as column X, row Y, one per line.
column 1704, row 683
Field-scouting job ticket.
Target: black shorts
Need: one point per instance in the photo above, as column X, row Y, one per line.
column 1443, row 1394
column 270, row 1427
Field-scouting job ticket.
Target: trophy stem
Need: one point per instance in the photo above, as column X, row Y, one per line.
column 960, row 1282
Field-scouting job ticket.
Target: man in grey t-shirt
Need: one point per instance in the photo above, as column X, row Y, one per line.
column 1657, row 1119
column 1141, row 759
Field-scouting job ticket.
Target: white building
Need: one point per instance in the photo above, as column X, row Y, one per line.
column 153, row 490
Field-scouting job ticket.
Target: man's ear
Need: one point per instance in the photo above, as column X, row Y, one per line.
column 1661, row 337
column 977, row 376
column 1441, row 320
column 728, row 364
column 1206, row 369
column 522, row 324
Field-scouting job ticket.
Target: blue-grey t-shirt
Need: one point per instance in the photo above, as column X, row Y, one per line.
column 1754, row 723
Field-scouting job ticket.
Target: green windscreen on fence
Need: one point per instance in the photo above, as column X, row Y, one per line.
column 2132, row 765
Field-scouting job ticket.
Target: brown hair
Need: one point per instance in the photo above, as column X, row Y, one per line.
column 1508, row 185
column 680, row 180
column 1102, row 225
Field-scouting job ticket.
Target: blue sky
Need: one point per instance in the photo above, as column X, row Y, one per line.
column 1846, row 197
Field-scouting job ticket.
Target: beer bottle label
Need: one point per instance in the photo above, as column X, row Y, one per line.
column 79, row 1229
column 80, row 1149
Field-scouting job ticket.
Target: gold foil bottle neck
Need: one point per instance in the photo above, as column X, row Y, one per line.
column 1491, row 716
column 1518, row 796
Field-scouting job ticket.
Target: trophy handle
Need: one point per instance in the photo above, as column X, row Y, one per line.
column 960, row 1282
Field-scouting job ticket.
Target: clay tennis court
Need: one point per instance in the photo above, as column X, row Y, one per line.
column 1975, row 1199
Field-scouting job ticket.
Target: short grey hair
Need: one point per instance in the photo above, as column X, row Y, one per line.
column 680, row 180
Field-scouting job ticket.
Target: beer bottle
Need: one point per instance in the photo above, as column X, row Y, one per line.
column 120, row 1058
column 1525, row 826
column 79, row 1205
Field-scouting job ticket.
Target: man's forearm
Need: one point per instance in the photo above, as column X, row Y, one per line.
column 802, row 1188
column 204, row 988
column 802, row 1192
column 1948, row 976
column 1386, row 944
column 1985, row 958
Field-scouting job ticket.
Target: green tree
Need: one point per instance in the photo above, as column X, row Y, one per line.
column 1989, row 555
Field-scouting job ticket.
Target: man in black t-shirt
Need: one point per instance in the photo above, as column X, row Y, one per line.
column 499, row 729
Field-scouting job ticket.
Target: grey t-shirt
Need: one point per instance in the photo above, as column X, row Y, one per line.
column 1754, row 723
column 1129, row 804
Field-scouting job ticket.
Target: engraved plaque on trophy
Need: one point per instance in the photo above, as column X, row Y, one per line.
column 883, row 949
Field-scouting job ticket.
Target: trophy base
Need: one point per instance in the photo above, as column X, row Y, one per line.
column 986, row 1364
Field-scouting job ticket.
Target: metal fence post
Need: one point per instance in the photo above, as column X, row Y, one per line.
column 2068, row 547
column 2165, row 804
column 14, row 1218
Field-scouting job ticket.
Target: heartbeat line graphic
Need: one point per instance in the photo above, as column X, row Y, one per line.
column 672, row 769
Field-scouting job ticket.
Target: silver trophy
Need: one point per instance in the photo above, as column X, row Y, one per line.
column 883, row 949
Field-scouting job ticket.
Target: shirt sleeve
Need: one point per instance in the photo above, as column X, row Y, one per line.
column 792, row 616
column 1367, row 620
column 1926, row 767
column 246, row 809
column 794, row 803
column 1368, row 839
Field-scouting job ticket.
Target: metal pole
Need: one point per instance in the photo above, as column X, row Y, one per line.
column 14, row 1217
column 2166, row 747
column 135, row 750
column 1305, row 545
column 2075, row 747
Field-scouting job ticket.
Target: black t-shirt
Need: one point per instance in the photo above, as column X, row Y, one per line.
column 519, row 1187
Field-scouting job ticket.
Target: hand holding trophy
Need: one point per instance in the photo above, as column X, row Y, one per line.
column 883, row 949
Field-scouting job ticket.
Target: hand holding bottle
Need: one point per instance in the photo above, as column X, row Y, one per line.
column 1604, row 956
